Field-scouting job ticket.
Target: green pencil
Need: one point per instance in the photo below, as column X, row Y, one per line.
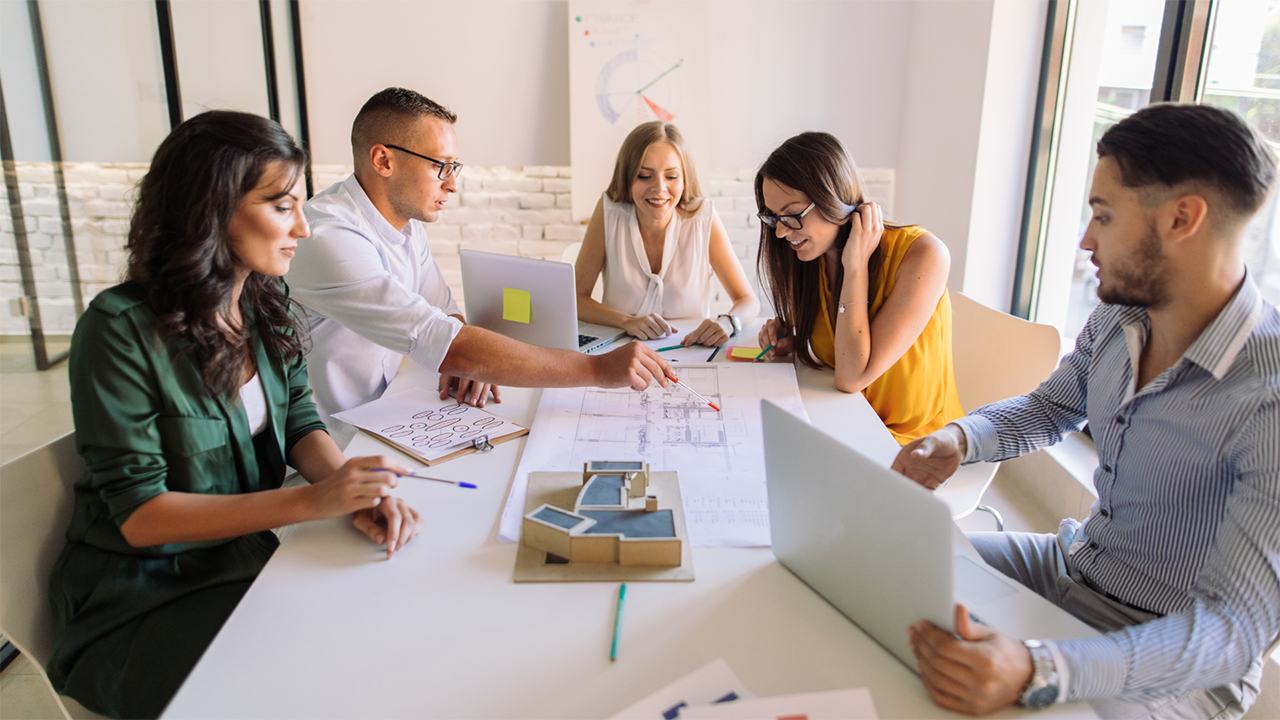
column 617, row 623
column 673, row 347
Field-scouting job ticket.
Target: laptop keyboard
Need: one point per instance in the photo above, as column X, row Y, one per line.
column 585, row 339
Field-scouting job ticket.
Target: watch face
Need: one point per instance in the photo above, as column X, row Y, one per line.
column 1042, row 698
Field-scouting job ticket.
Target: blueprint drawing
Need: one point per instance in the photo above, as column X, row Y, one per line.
column 719, row 454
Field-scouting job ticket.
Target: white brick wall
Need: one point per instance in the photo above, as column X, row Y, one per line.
column 511, row 210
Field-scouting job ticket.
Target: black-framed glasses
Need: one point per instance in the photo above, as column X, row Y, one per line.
column 447, row 169
column 795, row 222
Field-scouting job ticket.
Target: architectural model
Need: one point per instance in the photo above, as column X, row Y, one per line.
column 615, row 519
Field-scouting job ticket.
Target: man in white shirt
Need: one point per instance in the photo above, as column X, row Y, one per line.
column 373, row 294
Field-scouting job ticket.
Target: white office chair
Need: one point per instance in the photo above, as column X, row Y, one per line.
column 570, row 255
column 996, row 356
column 35, row 509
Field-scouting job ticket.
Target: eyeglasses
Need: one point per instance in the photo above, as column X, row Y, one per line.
column 792, row 221
column 447, row 169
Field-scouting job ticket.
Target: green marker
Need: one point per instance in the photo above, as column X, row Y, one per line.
column 617, row 623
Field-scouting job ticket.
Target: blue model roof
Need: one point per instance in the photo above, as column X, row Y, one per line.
column 631, row 523
column 604, row 490
column 624, row 465
column 557, row 517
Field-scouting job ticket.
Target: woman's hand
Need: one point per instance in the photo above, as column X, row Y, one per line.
column 647, row 327
column 711, row 333
column 773, row 333
column 355, row 486
column 864, row 237
column 393, row 523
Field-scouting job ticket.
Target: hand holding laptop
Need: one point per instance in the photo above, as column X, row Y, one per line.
column 976, row 671
column 932, row 459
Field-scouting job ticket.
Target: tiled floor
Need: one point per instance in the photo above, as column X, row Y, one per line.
column 35, row 408
column 25, row 695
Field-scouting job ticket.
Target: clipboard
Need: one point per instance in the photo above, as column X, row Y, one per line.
column 421, row 425
column 481, row 444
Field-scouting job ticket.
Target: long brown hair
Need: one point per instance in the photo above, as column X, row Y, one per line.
column 180, row 252
column 816, row 164
column 631, row 154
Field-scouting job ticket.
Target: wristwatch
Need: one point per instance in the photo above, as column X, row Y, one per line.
column 1042, row 691
column 734, row 321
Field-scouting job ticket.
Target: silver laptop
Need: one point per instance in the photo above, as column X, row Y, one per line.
column 878, row 547
column 530, row 300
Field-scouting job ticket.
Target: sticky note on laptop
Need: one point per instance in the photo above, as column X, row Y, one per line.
column 517, row 305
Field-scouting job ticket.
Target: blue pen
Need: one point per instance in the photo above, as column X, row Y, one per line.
column 459, row 483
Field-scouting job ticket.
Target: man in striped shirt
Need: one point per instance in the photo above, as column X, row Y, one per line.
column 1178, row 376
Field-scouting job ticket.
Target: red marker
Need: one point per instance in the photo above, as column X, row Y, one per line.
column 695, row 393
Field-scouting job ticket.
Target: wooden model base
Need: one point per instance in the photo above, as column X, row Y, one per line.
column 561, row 490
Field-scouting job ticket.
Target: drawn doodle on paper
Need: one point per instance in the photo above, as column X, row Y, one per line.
column 442, row 427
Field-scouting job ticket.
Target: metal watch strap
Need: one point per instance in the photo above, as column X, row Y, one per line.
column 1042, row 690
column 734, row 322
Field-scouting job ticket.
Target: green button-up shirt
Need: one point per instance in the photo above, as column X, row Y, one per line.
column 145, row 425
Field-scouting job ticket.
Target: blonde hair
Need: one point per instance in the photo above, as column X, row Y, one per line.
column 627, row 167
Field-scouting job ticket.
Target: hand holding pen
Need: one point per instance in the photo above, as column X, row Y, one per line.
column 775, row 339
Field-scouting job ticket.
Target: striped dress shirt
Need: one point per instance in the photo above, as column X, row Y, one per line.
column 1187, row 521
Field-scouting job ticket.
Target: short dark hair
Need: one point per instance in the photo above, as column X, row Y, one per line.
column 1172, row 143
column 382, row 116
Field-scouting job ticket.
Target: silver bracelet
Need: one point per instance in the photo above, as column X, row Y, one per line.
column 864, row 302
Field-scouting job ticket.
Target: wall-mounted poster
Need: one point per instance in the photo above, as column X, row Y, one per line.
column 631, row 62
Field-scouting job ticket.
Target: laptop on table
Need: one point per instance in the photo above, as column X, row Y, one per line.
column 529, row 300
column 879, row 548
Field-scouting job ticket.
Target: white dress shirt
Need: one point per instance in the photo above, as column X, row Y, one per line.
column 681, row 288
column 372, row 294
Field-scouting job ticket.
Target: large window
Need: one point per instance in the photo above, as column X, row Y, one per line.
column 1117, row 58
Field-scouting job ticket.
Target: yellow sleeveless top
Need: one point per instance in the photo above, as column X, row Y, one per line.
column 917, row 394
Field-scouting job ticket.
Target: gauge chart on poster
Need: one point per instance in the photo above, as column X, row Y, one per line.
column 632, row 62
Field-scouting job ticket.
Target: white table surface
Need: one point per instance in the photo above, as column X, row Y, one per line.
column 332, row 629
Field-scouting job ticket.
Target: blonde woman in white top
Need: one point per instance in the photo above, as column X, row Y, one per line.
column 658, row 243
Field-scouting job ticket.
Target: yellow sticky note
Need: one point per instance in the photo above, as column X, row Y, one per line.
column 517, row 305
column 744, row 352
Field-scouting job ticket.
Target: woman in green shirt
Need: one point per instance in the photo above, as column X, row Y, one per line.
column 189, row 393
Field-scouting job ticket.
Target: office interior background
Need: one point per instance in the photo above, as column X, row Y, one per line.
column 976, row 119
column 973, row 118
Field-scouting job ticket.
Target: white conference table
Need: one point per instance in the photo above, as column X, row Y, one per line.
column 333, row 629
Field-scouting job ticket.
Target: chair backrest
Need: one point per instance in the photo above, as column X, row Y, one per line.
column 998, row 355
column 36, row 498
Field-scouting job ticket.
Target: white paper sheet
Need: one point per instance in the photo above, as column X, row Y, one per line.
column 424, row 425
column 719, row 455
column 680, row 330
column 713, row 682
column 853, row 704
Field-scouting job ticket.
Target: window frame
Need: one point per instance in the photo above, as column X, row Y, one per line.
column 1180, row 75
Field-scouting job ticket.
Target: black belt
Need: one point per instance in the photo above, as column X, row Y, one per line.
column 1096, row 588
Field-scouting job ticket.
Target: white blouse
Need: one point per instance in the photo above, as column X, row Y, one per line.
column 255, row 404
column 682, row 288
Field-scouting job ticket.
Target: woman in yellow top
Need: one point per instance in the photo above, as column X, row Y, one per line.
column 867, row 299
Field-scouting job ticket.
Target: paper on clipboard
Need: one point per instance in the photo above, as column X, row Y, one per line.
column 432, row 430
